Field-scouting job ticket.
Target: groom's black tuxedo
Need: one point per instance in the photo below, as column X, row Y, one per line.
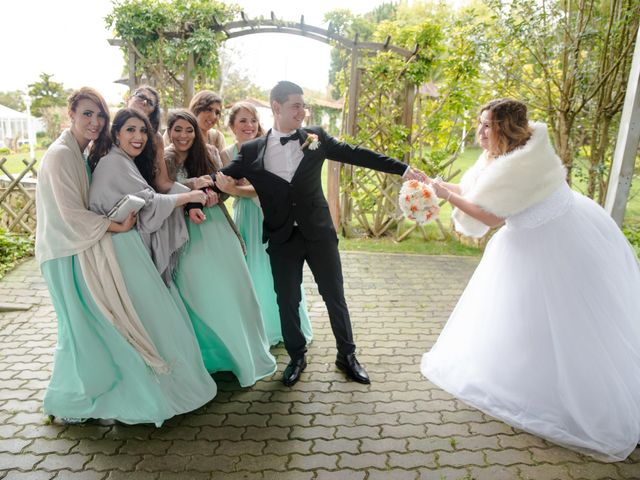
column 301, row 201
column 298, row 227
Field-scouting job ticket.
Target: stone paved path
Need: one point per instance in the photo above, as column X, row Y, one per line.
column 400, row 427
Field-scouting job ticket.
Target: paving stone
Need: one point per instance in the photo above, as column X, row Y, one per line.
column 257, row 463
column 544, row 471
column 509, row 456
column 46, row 445
column 335, row 446
column 86, row 475
column 220, row 433
column 403, row 431
column 308, row 433
column 141, row 447
column 122, row 462
column 593, row 471
column 288, row 475
column 23, row 461
column 32, row 475
column 211, row 463
column 362, row 460
column 170, row 463
column 556, row 455
column 411, row 460
column 107, row 447
column 70, row 461
column 117, row 475
column 241, row 476
column 302, row 447
column 395, row 474
column 187, row 475
column 343, row 474
column 313, row 461
column 494, row 472
column 13, row 445
column 445, row 474
column 461, row 458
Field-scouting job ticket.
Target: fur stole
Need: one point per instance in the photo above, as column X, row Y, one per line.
column 511, row 183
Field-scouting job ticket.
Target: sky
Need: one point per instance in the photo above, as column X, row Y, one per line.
column 68, row 38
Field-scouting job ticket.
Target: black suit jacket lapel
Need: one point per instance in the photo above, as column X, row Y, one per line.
column 306, row 152
column 262, row 148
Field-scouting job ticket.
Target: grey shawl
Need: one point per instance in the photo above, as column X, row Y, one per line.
column 160, row 224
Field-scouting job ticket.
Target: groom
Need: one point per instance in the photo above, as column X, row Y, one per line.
column 285, row 169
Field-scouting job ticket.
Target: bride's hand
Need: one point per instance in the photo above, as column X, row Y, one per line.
column 441, row 190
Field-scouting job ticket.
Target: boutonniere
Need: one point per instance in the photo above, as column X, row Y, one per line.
column 312, row 142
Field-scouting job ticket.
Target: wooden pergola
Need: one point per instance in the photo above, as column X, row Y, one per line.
column 246, row 26
column 628, row 135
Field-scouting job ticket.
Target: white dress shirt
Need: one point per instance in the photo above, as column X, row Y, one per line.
column 282, row 160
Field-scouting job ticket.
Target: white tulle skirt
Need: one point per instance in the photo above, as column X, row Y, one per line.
column 546, row 336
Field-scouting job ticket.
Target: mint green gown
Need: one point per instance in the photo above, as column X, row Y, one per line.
column 96, row 372
column 216, row 288
column 248, row 217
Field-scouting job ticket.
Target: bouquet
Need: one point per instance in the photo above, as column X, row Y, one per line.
column 418, row 201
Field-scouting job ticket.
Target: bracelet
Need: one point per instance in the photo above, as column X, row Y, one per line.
column 449, row 196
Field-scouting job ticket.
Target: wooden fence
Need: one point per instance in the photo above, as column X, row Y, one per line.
column 18, row 198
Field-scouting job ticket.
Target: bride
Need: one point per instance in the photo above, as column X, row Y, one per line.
column 546, row 335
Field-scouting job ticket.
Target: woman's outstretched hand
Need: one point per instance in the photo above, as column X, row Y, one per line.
column 225, row 183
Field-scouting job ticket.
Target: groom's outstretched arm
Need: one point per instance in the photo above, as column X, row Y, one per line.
column 363, row 157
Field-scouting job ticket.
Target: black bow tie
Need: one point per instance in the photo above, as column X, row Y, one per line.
column 294, row 136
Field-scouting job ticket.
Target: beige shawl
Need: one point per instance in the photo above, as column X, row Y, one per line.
column 66, row 227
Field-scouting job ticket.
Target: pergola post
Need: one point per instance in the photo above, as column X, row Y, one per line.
column 132, row 67
column 626, row 150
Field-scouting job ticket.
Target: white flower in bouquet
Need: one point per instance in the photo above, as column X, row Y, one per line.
column 418, row 202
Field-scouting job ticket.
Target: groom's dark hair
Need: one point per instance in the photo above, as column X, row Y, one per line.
column 280, row 93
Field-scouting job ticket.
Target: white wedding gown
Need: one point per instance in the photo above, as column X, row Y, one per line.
column 546, row 336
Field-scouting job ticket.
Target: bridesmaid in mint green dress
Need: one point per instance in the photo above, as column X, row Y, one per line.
column 125, row 348
column 245, row 125
column 212, row 275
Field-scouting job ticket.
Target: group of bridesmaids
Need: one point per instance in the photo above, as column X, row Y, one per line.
column 149, row 308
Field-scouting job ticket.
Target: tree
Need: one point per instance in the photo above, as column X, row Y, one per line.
column 13, row 99
column 47, row 93
column 569, row 60
column 173, row 41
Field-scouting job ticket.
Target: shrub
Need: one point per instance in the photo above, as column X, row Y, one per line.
column 12, row 249
column 5, row 150
column 632, row 232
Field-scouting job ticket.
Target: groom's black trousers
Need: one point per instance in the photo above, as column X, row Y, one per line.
column 323, row 258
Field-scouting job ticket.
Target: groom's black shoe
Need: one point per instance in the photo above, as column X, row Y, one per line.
column 349, row 364
column 294, row 369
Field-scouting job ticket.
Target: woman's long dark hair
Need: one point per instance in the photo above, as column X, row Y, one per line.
column 145, row 161
column 101, row 145
column 198, row 160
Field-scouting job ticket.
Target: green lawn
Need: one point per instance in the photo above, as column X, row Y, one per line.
column 14, row 161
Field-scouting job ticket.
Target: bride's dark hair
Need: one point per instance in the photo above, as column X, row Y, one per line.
column 510, row 124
